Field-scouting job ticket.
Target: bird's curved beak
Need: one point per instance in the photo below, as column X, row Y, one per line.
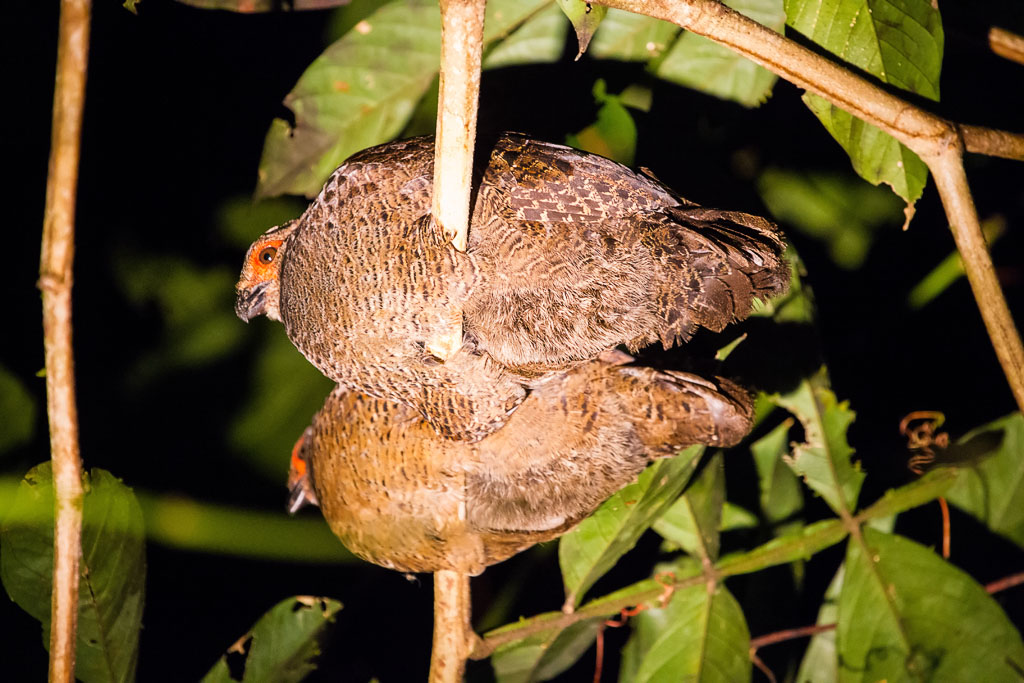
column 251, row 301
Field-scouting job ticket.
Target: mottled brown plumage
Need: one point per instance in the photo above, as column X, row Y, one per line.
column 400, row 496
column 569, row 255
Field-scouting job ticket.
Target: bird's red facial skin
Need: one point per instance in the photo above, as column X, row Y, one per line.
column 263, row 260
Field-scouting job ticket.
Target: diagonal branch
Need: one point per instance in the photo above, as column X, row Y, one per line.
column 55, row 280
column 934, row 139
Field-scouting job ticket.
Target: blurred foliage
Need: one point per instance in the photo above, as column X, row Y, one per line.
column 282, row 645
column 841, row 211
column 950, row 269
column 18, row 410
column 113, row 569
column 614, row 134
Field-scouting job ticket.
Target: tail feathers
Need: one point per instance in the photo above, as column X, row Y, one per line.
column 715, row 264
column 672, row 410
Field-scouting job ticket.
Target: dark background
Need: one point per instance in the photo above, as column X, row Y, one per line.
column 178, row 103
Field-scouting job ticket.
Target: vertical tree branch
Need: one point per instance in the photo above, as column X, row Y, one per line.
column 462, row 27
column 452, row 639
column 55, row 279
column 951, row 181
column 462, row 30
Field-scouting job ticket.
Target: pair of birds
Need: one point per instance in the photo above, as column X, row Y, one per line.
column 420, row 464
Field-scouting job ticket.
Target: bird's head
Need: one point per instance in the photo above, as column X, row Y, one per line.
column 300, row 476
column 258, row 291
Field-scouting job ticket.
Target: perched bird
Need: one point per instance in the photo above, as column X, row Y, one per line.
column 569, row 255
column 399, row 495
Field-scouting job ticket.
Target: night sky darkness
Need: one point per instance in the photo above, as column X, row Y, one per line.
column 178, row 103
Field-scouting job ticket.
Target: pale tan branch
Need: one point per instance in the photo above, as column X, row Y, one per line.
column 934, row 139
column 453, row 636
column 951, row 181
column 993, row 143
column 462, row 26
column 462, row 30
column 55, row 280
column 1005, row 44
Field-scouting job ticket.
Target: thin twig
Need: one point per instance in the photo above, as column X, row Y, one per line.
column 1005, row 582
column 779, row 637
column 934, row 139
column 1005, row 44
column 462, row 28
column 55, row 280
column 993, row 143
column 452, row 633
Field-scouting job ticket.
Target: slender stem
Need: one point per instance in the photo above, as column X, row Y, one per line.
column 1005, row 44
column 951, row 181
column 789, row 634
column 452, row 633
column 55, row 280
column 993, row 143
column 462, row 29
column 1005, row 582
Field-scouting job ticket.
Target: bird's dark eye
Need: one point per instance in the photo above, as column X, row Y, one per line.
column 267, row 255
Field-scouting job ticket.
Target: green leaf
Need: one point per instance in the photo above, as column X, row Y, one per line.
column 593, row 547
column 702, row 64
column 991, row 486
column 906, row 615
column 18, row 409
column 898, row 42
column 823, row 460
column 632, row 37
column 694, row 520
column 539, row 40
column 251, row 6
column 286, row 391
column 876, row 156
column 951, row 268
column 680, row 534
column 363, row 89
column 698, row 636
column 113, row 569
column 821, row 661
column 544, row 655
column 799, row 544
column 918, row 492
column 614, row 133
column 585, row 19
column 838, row 210
column 781, row 495
column 282, row 645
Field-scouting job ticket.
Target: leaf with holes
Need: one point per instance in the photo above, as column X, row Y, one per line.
column 823, row 460
column 907, row 615
column 282, row 645
column 704, row 65
column 699, row 637
column 593, row 547
column 113, row 568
